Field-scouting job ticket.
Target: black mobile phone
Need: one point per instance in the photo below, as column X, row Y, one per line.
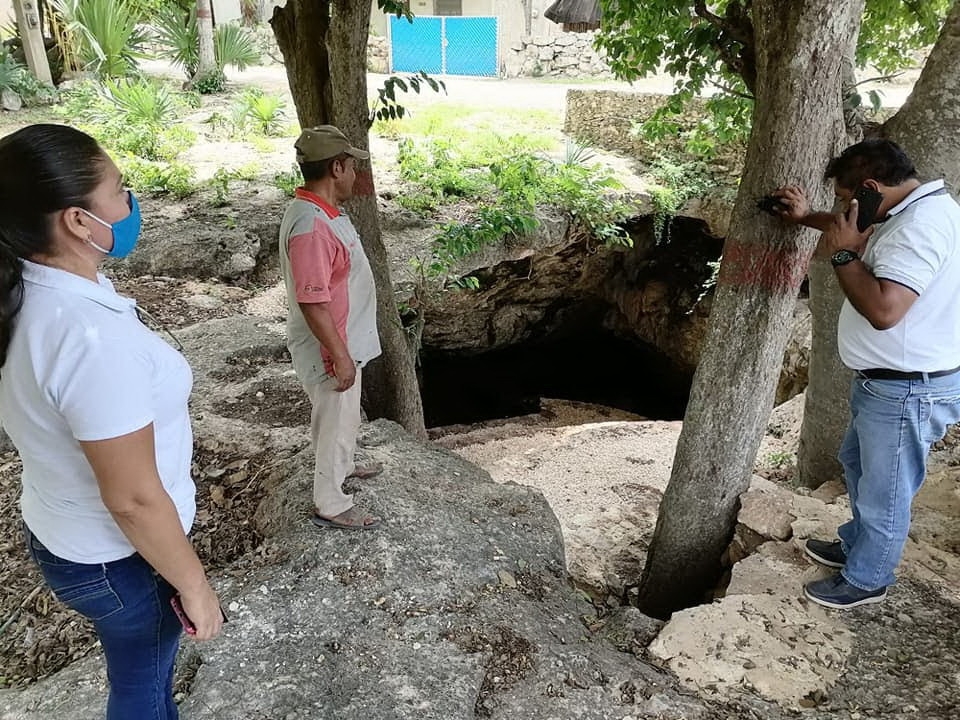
column 868, row 202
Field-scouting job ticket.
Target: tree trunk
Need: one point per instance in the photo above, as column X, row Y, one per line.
column 390, row 381
column 797, row 113
column 826, row 409
column 301, row 28
column 207, row 60
column 928, row 124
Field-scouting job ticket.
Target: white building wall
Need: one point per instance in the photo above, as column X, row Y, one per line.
column 225, row 11
column 6, row 12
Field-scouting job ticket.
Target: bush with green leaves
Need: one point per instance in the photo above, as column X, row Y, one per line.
column 135, row 121
column 16, row 77
column 256, row 110
column 102, row 36
column 519, row 181
column 677, row 181
column 178, row 36
column 288, row 181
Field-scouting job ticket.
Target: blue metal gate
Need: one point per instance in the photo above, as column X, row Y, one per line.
column 444, row 45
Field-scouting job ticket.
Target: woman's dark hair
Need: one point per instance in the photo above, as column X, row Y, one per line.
column 43, row 169
column 319, row 169
column 875, row 159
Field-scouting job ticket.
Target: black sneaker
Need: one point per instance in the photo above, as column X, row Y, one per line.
column 835, row 592
column 830, row 554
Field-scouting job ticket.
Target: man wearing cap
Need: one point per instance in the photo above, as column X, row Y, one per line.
column 332, row 319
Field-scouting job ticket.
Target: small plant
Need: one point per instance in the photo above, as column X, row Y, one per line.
column 782, row 459
column 220, row 182
column 259, row 111
column 146, row 176
column 141, row 101
column 677, row 182
column 288, row 181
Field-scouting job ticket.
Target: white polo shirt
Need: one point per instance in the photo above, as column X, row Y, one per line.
column 919, row 248
column 81, row 366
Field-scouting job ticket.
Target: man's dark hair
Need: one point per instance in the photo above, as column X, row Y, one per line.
column 880, row 160
column 319, row 169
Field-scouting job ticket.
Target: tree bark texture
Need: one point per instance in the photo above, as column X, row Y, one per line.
column 301, row 28
column 206, row 58
column 826, row 410
column 390, row 382
column 928, row 124
column 800, row 46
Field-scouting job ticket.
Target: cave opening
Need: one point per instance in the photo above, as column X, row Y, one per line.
column 585, row 362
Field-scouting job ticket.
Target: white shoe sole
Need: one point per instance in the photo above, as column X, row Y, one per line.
column 821, row 560
column 846, row 606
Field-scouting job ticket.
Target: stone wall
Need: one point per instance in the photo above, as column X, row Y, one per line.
column 378, row 54
column 605, row 119
column 566, row 55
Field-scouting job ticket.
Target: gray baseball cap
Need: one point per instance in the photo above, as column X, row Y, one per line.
column 323, row 142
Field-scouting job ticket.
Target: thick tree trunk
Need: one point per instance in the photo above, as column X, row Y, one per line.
column 390, row 382
column 207, row 60
column 928, row 124
column 800, row 46
column 826, row 410
column 301, row 28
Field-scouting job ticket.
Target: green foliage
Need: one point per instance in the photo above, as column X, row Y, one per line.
column 178, row 36
column 220, row 183
column 893, row 31
column 288, row 181
column 211, row 83
column 234, row 47
column 146, row 176
column 386, row 106
column 678, row 181
column 510, row 191
column 16, row 77
column 102, row 35
column 136, row 123
column 263, row 113
column 641, row 37
column 141, row 101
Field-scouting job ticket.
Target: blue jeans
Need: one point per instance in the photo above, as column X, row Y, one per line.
column 129, row 605
column 893, row 423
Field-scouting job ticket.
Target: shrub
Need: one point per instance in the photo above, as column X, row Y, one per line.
column 265, row 113
column 179, row 39
column 101, row 35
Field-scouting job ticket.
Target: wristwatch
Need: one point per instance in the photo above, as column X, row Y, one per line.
column 842, row 257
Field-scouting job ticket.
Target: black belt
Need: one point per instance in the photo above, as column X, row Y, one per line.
column 883, row 374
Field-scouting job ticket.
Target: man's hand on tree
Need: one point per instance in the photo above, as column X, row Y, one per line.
column 795, row 202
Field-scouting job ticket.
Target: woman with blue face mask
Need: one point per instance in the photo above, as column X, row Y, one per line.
column 96, row 405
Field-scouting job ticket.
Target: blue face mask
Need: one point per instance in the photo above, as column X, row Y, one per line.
column 125, row 232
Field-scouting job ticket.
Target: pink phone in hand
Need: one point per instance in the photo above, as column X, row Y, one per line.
column 188, row 626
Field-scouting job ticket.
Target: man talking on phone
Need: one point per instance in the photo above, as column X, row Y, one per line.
column 899, row 330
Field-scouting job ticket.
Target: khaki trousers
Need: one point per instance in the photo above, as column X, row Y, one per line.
column 334, row 423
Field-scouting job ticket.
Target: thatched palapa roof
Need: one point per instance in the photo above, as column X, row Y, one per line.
column 575, row 15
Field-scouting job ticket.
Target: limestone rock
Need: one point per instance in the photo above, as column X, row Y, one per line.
column 767, row 514
column 779, row 646
column 10, row 100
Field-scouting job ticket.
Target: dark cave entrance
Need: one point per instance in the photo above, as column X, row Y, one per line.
column 578, row 344
column 592, row 365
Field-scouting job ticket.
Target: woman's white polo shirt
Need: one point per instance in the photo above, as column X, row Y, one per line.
column 81, row 366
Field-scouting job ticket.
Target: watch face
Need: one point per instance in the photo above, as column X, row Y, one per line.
column 842, row 257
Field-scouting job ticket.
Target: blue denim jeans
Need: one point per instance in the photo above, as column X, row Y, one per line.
column 893, row 423
column 129, row 605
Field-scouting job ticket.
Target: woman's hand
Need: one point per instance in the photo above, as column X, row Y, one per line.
column 203, row 608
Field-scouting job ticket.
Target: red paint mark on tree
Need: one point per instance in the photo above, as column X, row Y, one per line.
column 363, row 185
column 775, row 269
